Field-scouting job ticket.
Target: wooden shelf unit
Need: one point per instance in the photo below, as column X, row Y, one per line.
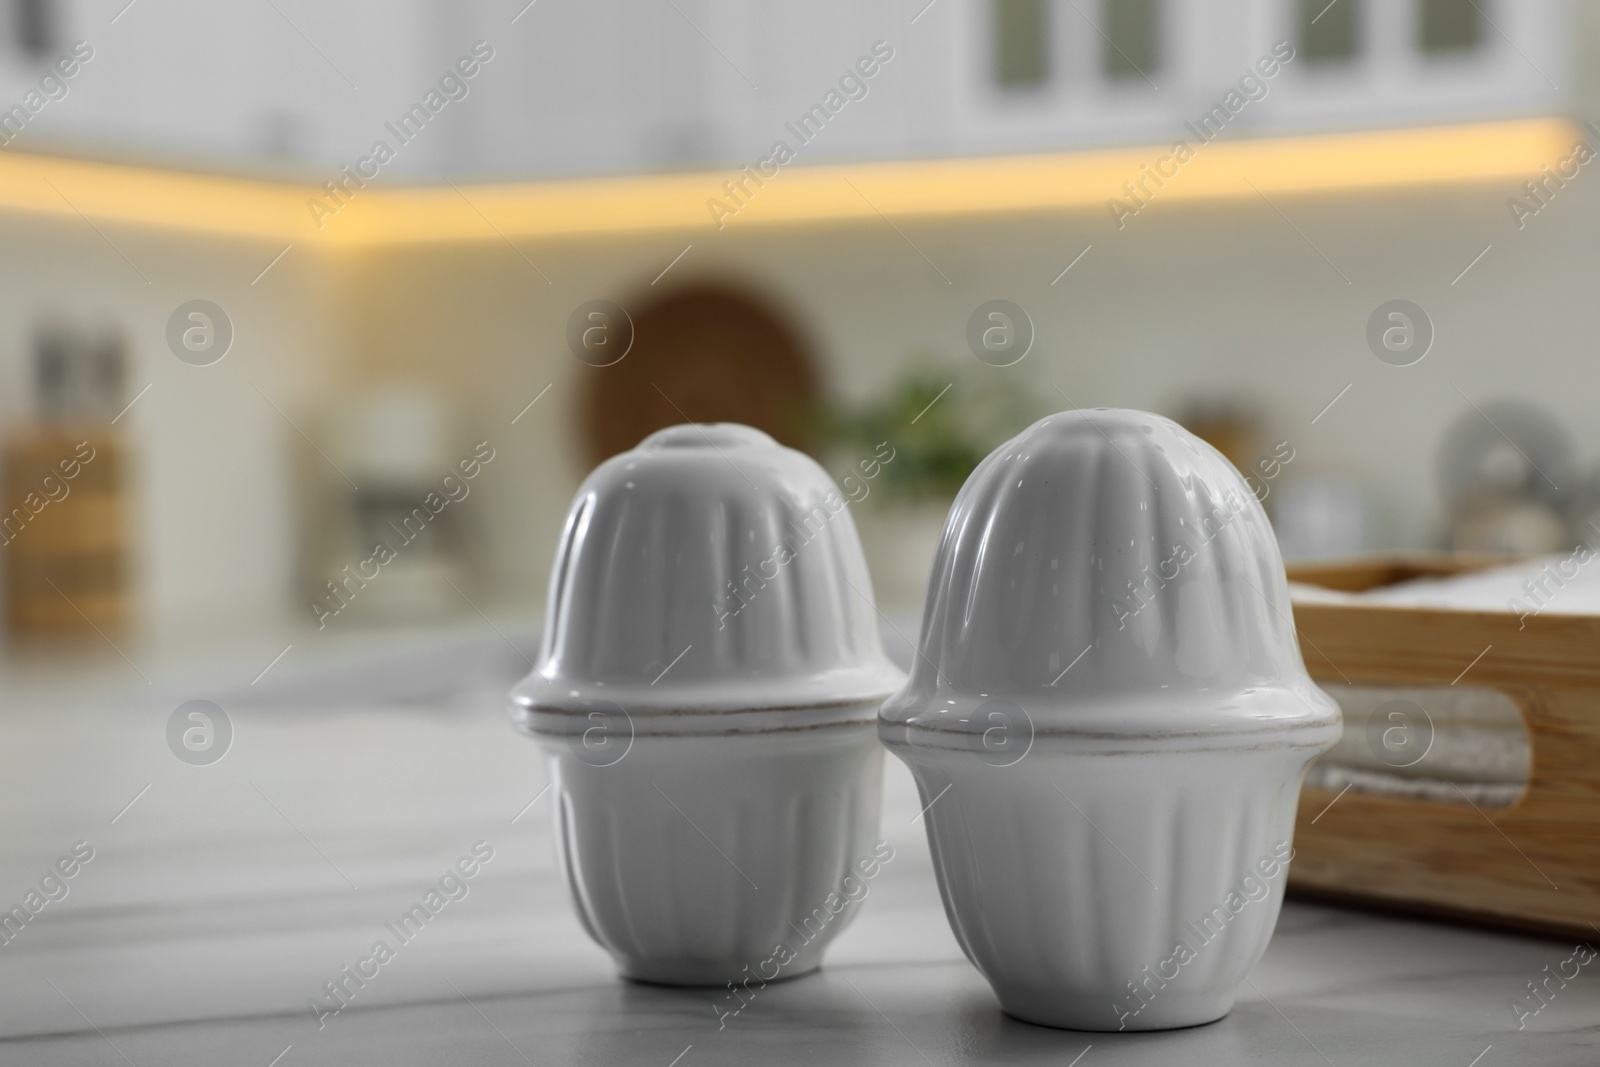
column 64, row 539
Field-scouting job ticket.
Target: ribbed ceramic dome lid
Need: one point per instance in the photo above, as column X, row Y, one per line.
column 1108, row 571
column 709, row 569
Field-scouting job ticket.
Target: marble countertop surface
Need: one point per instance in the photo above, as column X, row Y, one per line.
column 220, row 898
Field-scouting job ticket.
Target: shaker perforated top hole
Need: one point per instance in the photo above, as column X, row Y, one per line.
column 708, row 435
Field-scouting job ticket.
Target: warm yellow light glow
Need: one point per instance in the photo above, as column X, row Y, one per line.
column 937, row 189
column 142, row 196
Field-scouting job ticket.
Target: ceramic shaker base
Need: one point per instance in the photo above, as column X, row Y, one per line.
column 1105, row 892
column 1172, row 1012
column 701, row 860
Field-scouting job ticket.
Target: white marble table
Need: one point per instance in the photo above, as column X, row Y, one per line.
column 221, row 900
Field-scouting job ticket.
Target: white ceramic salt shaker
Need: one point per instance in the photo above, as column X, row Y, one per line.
column 706, row 694
column 1109, row 719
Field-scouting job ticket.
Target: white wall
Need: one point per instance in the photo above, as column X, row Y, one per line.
column 1210, row 301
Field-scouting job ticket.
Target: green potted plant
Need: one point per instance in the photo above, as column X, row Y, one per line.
column 902, row 455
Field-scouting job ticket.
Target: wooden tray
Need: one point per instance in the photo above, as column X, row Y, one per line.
column 1534, row 866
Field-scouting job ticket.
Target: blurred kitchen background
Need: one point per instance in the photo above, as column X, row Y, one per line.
column 314, row 316
column 277, row 341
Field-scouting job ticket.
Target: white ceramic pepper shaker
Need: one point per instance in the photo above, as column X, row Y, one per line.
column 1110, row 720
column 706, row 694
